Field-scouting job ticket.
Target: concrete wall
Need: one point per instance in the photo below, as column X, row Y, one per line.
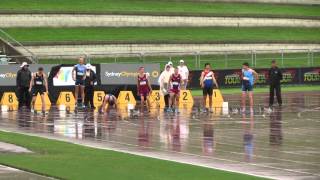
column 137, row 48
column 70, row 20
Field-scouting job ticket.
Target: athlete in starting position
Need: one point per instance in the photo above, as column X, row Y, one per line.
column 79, row 75
column 109, row 99
column 143, row 86
column 38, row 84
column 175, row 82
column 249, row 77
column 207, row 81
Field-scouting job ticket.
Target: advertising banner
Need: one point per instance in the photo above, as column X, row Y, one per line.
column 310, row 75
column 64, row 76
column 8, row 73
column 126, row 74
column 232, row 77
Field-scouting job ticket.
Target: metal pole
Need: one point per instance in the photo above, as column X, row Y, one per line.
column 199, row 60
column 252, row 56
column 196, row 61
column 226, row 60
column 252, row 62
column 282, row 57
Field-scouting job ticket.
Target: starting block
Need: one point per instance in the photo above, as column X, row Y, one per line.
column 186, row 98
column 38, row 102
column 126, row 98
column 9, row 101
column 156, row 100
column 217, row 99
column 98, row 98
column 66, row 100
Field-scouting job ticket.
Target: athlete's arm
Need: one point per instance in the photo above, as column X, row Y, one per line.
column 85, row 74
column 201, row 79
column 138, row 86
column 73, row 73
column 46, row 83
column 149, row 85
column 31, row 82
column 115, row 101
column 214, row 80
column 169, row 83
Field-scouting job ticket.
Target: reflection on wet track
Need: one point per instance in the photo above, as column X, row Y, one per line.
column 281, row 144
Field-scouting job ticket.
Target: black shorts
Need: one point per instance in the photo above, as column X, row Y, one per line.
column 207, row 91
column 79, row 82
column 36, row 90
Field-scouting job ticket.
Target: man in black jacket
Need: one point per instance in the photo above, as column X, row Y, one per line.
column 275, row 76
column 90, row 79
column 23, row 83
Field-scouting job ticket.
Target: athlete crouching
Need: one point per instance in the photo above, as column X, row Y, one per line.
column 109, row 99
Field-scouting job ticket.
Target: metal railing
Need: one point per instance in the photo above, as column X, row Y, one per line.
column 196, row 60
column 14, row 43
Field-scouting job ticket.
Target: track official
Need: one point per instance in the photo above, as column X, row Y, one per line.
column 275, row 76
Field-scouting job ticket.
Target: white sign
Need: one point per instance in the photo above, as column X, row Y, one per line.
column 64, row 76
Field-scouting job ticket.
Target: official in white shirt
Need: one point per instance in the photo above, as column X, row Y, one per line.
column 184, row 72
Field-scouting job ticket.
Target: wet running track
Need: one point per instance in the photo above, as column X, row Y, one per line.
column 282, row 144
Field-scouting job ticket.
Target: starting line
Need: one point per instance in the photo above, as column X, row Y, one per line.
column 126, row 99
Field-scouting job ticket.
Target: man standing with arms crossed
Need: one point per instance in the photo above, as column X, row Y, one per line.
column 275, row 76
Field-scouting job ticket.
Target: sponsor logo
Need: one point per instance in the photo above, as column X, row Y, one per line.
column 8, row 75
column 126, row 74
column 311, row 76
column 232, row 79
column 288, row 76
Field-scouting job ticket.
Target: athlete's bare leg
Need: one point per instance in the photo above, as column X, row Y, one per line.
column 76, row 93
column 177, row 97
column 82, row 93
column 204, row 101
column 243, row 100
column 210, row 102
column 142, row 103
column 103, row 106
column 251, row 99
column 33, row 101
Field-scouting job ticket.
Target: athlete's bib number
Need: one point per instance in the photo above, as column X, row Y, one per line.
column 143, row 83
column 38, row 82
column 80, row 73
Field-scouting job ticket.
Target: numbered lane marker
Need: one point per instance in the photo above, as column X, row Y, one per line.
column 66, row 98
column 156, row 100
column 38, row 102
column 186, row 98
column 9, row 99
column 98, row 98
column 217, row 99
column 126, row 97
